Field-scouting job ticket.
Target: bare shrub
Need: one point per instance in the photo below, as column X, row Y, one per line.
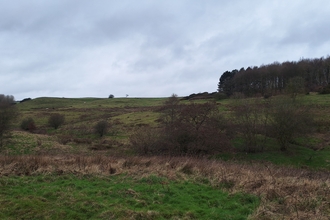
column 8, row 113
column 56, row 120
column 187, row 129
column 251, row 118
column 193, row 129
column 101, row 128
column 146, row 141
column 295, row 86
column 64, row 139
column 28, row 124
column 288, row 119
column 170, row 110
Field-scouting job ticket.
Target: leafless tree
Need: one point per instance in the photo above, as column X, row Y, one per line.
column 289, row 119
column 101, row 128
column 251, row 118
column 8, row 112
column 56, row 120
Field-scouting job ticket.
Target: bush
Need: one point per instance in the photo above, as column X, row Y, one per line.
column 194, row 129
column 295, row 86
column 187, row 129
column 288, row 119
column 101, row 128
column 221, row 96
column 8, row 112
column 325, row 90
column 56, row 120
column 146, row 141
column 111, row 96
column 251, row 119
column 28, row 124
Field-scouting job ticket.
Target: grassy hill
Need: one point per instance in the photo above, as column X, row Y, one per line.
column 74, row 160
column 125, row 115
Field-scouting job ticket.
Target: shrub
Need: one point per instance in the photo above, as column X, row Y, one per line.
column 147, row 141
column 187, row 129
column 221, row 96
column 28, row 124
column 56, row 120
column 101, row 128
column 111, row 96
column 64, row 139
column 325, row 90
column 193, row 129
column 251, row 119
column 288, row 119
column 295, row 86
column 8, row 112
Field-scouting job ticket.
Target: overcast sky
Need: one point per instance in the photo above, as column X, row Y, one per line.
column 149, row 48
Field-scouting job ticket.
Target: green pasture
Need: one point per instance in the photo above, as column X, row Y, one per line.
column 301, row 154
column 117, row 197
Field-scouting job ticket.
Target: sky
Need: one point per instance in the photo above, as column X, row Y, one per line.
column 145, row 48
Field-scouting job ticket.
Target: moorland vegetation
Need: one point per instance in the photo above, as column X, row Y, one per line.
column 259, row 148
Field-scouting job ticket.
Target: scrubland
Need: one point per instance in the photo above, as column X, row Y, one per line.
column 45, row 171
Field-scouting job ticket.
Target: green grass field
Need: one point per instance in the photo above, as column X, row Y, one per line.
column 117, row 197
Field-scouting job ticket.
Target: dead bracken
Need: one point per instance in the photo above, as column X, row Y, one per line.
column 286, row 193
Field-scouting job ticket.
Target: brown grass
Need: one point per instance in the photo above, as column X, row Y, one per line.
column 286, row 193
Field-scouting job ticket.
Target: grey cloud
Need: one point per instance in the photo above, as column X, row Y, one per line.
column 148, row 48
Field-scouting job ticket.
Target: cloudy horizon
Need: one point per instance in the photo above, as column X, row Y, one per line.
column 149, row 48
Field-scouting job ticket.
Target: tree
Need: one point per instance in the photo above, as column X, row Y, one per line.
column 295, row 86
column 170, row 109
column 251, row 117
column 56, row 120
column 193, row 129
column 101, row 128
column 111, row 96
column 226, row 84
column 287, row 120
column 147, row 140
column 8, row 112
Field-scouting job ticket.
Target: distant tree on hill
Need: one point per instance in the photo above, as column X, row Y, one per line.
column 226, row 84
column 111, row 96
column 277, row 78
column 25, row 100
column 170, row 109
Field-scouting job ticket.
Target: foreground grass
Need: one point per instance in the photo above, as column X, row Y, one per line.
column 117, row 197
column 157, row 188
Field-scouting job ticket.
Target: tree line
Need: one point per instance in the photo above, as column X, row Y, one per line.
column 311, row 75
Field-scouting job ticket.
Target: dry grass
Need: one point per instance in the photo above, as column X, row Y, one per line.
column 286, row 193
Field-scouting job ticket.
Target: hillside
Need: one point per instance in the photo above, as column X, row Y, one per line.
column 268, row 183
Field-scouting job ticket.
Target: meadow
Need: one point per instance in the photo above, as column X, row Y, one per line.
column 46, row 171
